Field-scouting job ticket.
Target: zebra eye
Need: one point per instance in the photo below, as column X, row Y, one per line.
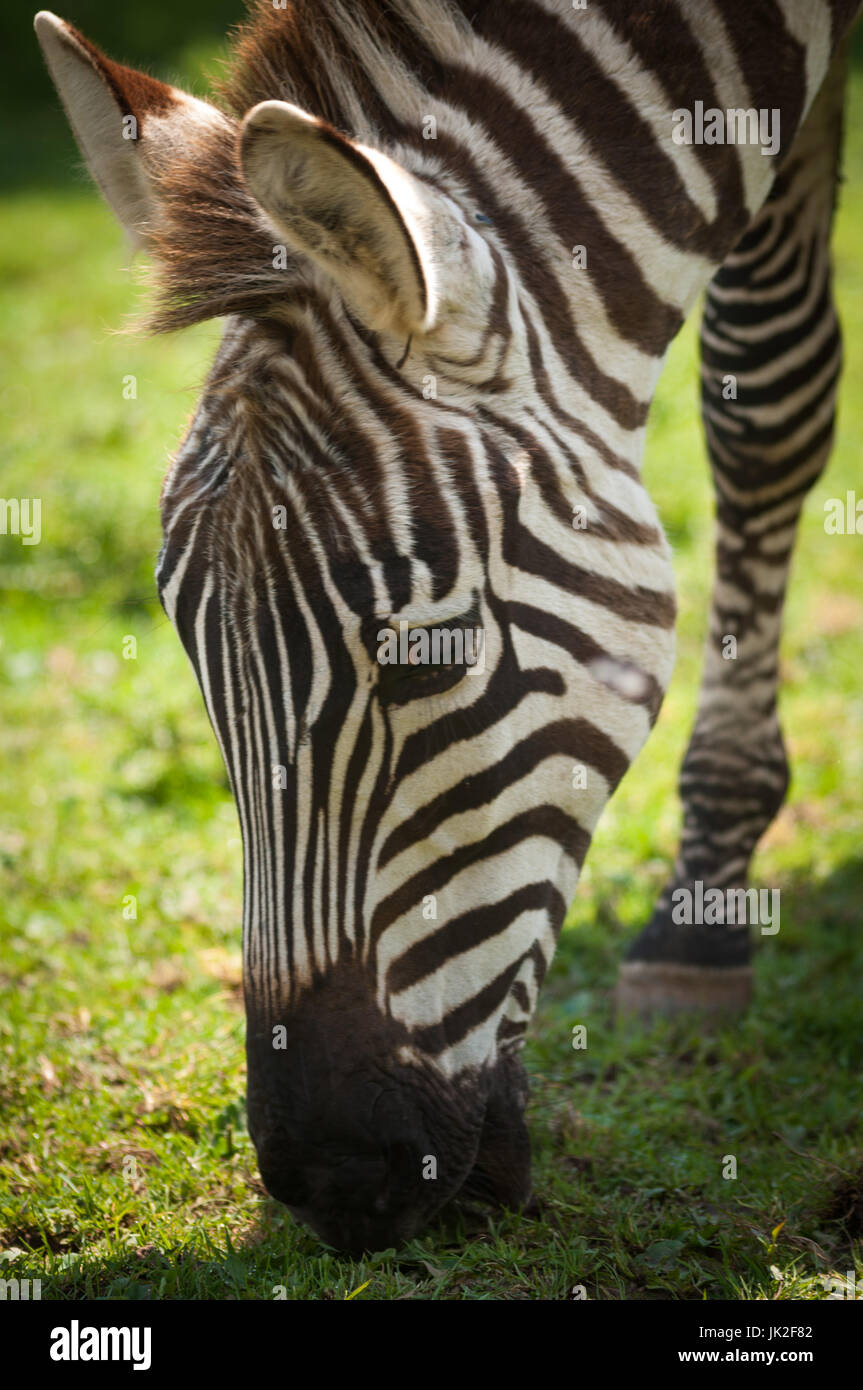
column 418, row 660
column 483, row 217
column 399, row 682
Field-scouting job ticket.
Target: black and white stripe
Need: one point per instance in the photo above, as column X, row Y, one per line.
column 465, row 437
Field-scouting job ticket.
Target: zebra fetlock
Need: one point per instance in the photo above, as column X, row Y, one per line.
column 733, row 781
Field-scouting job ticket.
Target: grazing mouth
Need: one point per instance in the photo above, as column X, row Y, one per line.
column 365, row 1141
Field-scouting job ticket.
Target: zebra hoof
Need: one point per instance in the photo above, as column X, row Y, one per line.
column 663, row 989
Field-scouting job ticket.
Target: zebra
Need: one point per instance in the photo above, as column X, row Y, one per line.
column 451, row 241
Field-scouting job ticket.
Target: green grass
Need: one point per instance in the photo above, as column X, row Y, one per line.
column 125, row 1167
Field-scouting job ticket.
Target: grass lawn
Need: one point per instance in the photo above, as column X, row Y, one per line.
column 125, row 1167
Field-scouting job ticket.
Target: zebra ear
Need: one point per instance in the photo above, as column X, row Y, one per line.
column 369, row 223
column 126, row 123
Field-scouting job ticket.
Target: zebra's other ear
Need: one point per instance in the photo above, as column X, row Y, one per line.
column 379, row 232
column 125, row 123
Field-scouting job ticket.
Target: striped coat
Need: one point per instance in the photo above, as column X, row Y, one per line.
column 452, row 243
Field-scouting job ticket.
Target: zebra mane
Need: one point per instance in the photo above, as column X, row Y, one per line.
column 213, row 254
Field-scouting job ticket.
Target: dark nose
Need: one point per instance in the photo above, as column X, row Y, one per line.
column 362, row 1137
column 364, row 1202
column 364, row 1164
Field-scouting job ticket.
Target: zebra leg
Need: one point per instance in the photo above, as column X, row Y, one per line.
column 771, row 352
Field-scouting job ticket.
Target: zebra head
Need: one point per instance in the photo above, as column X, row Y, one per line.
column 429, row 607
